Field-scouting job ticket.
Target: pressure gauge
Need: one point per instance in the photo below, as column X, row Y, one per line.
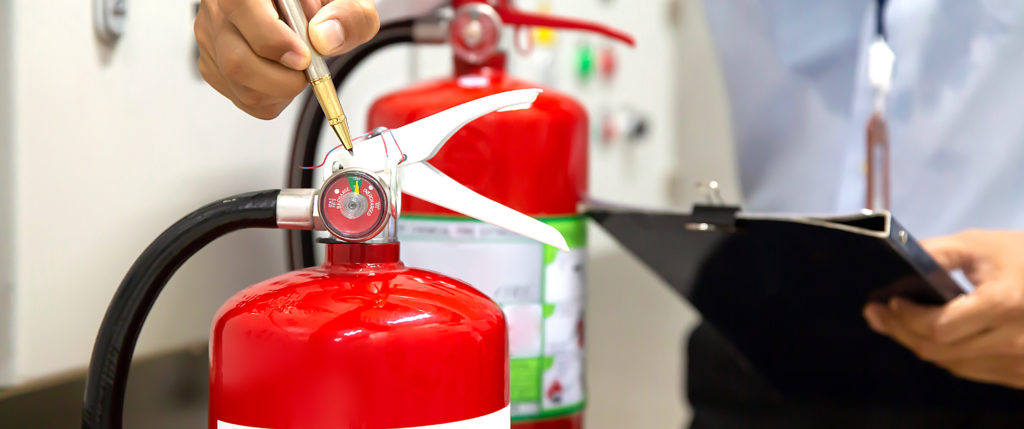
column 354, row 205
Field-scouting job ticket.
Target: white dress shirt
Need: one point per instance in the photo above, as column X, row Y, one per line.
column 796, row 74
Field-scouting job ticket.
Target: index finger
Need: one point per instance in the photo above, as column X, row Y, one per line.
column 265, row 33
column 920, row 319
column 965, row 316
column 951, row 252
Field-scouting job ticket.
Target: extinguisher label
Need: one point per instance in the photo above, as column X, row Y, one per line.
column 497, row 420
column 540, row 288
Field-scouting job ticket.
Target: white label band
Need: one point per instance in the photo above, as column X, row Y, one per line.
column 541, row 291
column 501, row 419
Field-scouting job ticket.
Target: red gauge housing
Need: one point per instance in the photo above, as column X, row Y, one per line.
column 353, row 205
column 359, row 342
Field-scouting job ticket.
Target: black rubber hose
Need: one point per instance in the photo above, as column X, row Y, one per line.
column 107, row 378
column 311, row 120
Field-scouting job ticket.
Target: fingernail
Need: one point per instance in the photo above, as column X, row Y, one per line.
column 331, row 33
column 293, row 60
column 874, row 319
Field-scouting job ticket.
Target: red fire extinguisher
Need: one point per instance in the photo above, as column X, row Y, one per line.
column 534, row 161
column 360, row 341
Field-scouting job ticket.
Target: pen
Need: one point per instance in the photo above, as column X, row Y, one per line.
column 318, row 74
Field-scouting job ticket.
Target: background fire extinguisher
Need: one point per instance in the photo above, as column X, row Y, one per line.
column 533, row 160
column 360, row 341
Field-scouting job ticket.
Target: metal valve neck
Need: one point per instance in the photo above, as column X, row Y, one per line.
column 494, row 65
column 341, row 253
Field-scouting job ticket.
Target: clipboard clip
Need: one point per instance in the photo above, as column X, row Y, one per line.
column 713, row 218
column 714, row 215
column 711, row 192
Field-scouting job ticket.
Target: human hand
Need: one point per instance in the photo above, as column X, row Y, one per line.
column 977, row 336
column 249, row 55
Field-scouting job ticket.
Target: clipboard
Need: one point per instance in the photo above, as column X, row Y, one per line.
column 787, row 293
column 871, row 254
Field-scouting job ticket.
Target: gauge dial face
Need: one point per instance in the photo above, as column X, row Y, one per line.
column 353, row 205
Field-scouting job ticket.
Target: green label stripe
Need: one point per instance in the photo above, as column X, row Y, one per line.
column 548, row 310
column 552, row 413
column 574, row 229
column 525, row 379
column 546, row 362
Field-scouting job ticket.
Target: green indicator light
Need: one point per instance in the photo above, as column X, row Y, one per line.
column 585, row 61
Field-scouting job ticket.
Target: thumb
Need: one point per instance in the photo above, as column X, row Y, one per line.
column 949, row 251
column 960, row 251
column 341, row 25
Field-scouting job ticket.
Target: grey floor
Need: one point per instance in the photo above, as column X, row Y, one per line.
column 164, row 392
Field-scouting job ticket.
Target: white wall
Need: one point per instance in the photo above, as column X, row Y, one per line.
column 703, row 137
column 6, row 208
column 111, row 146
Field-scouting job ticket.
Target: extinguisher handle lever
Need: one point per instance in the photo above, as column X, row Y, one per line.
column 396, row 10
column 415, row 144
column 515, row 17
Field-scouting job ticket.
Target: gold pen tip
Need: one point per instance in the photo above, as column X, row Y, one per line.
column 341, row 130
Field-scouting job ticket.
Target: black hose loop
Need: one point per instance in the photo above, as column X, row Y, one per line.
column 106, row 381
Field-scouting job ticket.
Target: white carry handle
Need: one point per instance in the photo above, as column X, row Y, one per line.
column 425, row 182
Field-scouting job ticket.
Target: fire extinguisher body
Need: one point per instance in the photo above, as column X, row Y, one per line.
column 533, row 161
column 359, row 342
